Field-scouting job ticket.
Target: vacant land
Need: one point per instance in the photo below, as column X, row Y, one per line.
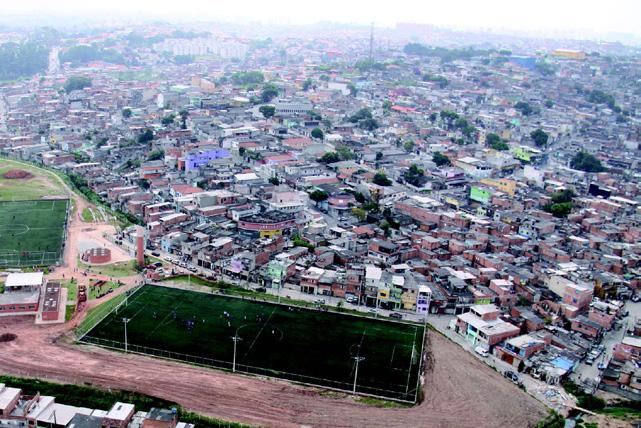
column 292, row 343
column 32, row 233
column 38, row 185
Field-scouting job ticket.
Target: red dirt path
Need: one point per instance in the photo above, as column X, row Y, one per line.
column 460, row 392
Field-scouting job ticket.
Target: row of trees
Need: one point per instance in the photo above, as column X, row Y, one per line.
column 18, row 60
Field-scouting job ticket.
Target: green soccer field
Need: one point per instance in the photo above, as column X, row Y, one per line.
column 32, row 233
column 302, row 345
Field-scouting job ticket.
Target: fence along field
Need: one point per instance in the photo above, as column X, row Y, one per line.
column 297, row 344
column 32, row 233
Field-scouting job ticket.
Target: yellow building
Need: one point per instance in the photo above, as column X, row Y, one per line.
column 502, row 184
column 569, row 54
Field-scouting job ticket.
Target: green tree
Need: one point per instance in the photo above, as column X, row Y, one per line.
column 584, row 161
column 269, row 92
column 379, row 156
column 440, row 159
column 156, row 155
column 345, row 153
column 267, row 111
column 492, row 138
column 368, row 124
column 414, row 175
column 247, row 77
column 360, row 115
column 144, row 183
column 126, row 112
column 330, row 157
column 146, row 136
column 352, row 89
column 318, row 196
column 184, row 114
column 274, row 180
column 540, row 137
column 409, row 146
column 359, row 213
column 75, row 83
column 381, row 179
column 307, row 84
column 22, row 59
column 317, row 133
column 525, row 108
column 168, row 120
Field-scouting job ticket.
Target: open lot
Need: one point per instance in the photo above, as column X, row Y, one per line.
column 38, row 184
column 32, row 233
column 296, row 344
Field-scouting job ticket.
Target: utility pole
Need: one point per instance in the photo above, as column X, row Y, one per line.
column 280, row 283
column 126, row 321
column 358, row 360
column 236, row 338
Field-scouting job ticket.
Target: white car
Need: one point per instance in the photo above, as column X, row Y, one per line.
column 481, row 351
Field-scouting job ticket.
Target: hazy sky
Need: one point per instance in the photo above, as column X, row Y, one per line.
column 600, row 16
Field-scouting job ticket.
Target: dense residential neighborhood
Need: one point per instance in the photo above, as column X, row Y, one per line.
column 491, row 192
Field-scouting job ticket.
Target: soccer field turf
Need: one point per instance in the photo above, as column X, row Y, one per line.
column 287, row 342
column 32, row 232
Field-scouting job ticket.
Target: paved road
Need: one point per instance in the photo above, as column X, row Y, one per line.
column 612, row 337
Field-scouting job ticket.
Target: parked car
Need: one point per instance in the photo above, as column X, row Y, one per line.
column 372, row 310
column 512, row 376
column 261, row 289
column 396, row 315
column 636, row 298
column 481, row 351
column 155, row 253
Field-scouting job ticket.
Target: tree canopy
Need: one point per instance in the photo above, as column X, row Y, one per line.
column 22, row 60
column 440, row 159
column 267, row 111
column 75, row 83
column 269, row 92
column 318, row 196
column 444, row 54
column 83, row 54
column 381, row 179
column 318, row 133
column 540, row 137
column 584, row 161
column 525, row 108
column 247, row 77
column 146, row 136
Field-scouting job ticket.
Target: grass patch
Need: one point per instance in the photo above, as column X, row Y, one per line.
column 282, row 341
column 382, row 404
column 72, row 289
column 87, row 215
column 32, row 232
column 94, row 292
column 116, row 270
column 69, row 311
column 102, row 399
column 39, row 185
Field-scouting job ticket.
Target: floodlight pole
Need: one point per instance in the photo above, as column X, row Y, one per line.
column 358, row 360
column 236, row 338
column 126, row 321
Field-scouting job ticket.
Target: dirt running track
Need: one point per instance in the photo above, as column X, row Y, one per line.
column 460, row 390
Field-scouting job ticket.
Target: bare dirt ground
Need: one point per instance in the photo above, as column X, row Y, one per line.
column 460, row 391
